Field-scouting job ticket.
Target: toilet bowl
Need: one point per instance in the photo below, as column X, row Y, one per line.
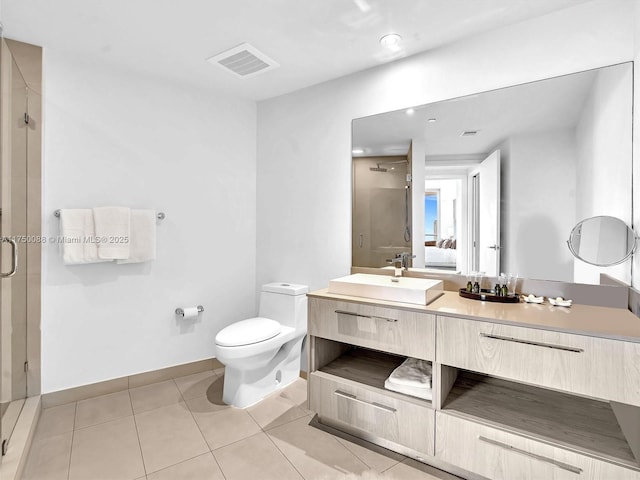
column 262, row 354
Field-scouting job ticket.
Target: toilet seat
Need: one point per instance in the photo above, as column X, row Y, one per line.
column 247, row 332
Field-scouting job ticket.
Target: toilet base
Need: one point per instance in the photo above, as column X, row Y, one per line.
column 243, row 388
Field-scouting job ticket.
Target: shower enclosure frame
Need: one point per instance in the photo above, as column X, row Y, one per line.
column 21, row 220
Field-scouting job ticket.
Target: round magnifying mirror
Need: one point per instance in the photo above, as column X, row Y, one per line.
column 602, row 241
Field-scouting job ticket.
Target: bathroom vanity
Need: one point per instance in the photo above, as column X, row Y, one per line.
column 519, row 390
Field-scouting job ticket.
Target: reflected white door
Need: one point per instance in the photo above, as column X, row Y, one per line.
column 485, row 215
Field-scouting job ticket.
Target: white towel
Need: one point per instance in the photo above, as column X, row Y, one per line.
column 420, row 392
column 77, row 243
column 412, row 373
column 142, row 247
column 113, row 236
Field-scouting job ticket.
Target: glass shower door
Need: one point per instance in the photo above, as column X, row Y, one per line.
column 13, row 229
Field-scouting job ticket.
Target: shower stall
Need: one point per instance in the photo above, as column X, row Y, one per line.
column 381, row 210
column 20, row 229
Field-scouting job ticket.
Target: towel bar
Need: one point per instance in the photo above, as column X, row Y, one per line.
column 180, row 311
column 159, row 215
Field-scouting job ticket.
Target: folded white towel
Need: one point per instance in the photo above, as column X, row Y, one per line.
column 420, row 392
column 412, row 373
column 77, row 245
column 113, row 236
column 142, row 247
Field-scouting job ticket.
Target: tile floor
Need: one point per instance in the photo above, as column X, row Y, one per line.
column 180, row 430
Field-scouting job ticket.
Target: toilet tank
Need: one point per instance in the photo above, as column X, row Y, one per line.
column 285, row 303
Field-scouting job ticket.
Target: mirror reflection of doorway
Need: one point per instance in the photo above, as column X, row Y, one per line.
column 485, row 215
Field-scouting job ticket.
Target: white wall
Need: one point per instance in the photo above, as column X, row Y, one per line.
column 542, row 205
column 304, row 138
column 636, row 143
column 114, row 138
column 603, row 138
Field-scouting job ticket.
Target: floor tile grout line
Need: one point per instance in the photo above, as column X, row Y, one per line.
column 357, row 457
column 198, row 425
column 73, row 434
column 103, row 422
column 218, row 463
column 267, row 430
column 285, row 456
column 184, row 461
column 135, row 423
column 234, row 442
column 362, row 459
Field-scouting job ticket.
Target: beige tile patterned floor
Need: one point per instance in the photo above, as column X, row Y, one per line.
column 181, row 430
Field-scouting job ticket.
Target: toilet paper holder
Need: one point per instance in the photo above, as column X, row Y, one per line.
column 180, row 310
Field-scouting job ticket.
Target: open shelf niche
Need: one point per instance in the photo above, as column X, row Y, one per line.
column 585, row 425
column 358, row 364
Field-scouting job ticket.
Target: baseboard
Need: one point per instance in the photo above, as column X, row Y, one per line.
column 83, row 392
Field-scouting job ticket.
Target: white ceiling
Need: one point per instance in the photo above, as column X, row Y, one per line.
column 312, row 40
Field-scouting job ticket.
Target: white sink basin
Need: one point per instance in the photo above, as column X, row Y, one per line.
column 420, row 291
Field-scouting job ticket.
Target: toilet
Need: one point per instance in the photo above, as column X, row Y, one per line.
column 262, row 354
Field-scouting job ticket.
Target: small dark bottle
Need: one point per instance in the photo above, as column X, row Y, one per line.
column 476, row 287
column 497, row 290
column 504, row 291
column 469, row 286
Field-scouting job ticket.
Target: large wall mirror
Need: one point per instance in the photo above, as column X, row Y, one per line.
column 507, row 175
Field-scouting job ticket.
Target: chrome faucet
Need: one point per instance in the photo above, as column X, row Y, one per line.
column 398, row 266
column 401, row 262
column 406, row 259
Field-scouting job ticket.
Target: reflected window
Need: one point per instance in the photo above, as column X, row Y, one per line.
column 431, row 216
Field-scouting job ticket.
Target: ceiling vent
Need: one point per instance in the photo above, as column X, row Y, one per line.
column 244, row 61
column 469, row 133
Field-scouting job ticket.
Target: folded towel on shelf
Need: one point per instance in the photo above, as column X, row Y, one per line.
column 77, row 245
column 112, row 225
column 142, row 245
column 412, row 373
column 421, row 392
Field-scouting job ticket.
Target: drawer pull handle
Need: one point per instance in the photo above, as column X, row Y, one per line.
column 564, row 466
column 344, row 312
column 349, row 396
column 529, row 342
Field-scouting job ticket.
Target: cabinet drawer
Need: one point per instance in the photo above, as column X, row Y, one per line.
column 403, row 422
column 499, row 455
column 596, row 367
column 396, row 331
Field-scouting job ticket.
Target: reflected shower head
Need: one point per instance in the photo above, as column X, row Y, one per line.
column 378, row 168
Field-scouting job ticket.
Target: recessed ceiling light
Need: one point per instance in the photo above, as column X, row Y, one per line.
column 431, row 120
column 357, row 151
column 390, row 40
column 410, row 111
column 469, row 133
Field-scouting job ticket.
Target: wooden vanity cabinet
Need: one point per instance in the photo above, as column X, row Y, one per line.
column 403, row 332
column 509, row 402
column 498, row 454
column 353, row 349
column 585, row 365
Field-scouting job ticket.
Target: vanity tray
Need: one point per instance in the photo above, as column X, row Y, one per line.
column 489, row 296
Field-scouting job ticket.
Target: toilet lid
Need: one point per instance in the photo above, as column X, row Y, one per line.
column 246, row 332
